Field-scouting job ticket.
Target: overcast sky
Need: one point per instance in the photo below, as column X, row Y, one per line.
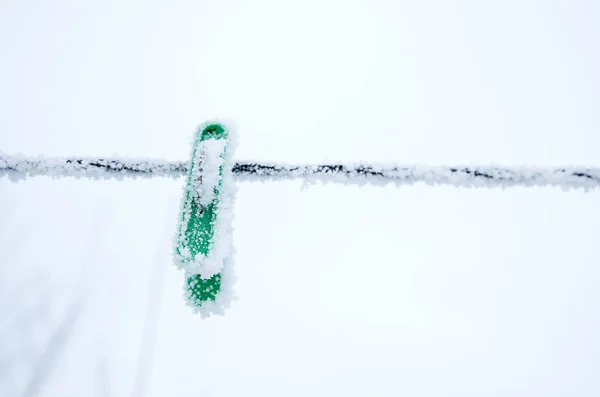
column 345, row 291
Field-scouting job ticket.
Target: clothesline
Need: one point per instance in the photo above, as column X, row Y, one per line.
column 21, row 167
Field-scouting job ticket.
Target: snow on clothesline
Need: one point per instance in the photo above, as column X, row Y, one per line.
column 20, row 167
column 203, row 245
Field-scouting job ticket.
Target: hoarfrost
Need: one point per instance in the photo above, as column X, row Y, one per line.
column 486, row 176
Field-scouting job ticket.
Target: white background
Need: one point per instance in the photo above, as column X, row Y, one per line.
column 345, row 291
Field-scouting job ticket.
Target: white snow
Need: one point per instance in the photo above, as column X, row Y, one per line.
column 208, row 161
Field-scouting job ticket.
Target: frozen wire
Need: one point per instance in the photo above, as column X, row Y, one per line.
column 20, row 167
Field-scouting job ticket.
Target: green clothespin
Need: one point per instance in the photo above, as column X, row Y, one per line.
column 204, row 246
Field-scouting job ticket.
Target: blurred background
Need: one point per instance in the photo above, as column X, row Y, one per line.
column 380, row 291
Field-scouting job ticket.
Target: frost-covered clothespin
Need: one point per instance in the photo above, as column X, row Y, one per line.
column 204, row 244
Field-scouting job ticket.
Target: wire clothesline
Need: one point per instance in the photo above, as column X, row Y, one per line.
column 203, row 245
column 20, row 167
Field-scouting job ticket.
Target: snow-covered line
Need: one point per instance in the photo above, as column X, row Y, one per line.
column 458, row 176
column 21, row 167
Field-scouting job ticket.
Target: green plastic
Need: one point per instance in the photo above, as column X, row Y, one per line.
column 199, row 229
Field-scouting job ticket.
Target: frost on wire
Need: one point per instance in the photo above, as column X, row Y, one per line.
column 203, row 246
column 457, row 176
column 20, row 167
